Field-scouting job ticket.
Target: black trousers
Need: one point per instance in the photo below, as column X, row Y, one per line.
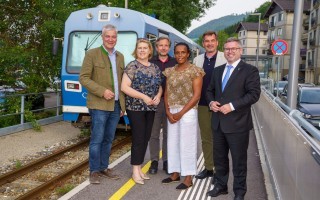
column 141, row 126
column 237, row 143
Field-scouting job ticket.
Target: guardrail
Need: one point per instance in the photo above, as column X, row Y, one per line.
column 51, row 102
column 291, row 147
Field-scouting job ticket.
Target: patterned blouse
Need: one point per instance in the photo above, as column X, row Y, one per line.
column 179, row 84
column 146, row 80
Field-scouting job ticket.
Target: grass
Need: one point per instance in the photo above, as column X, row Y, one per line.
column 18, row 164
column 85, row 132
column 64, row 189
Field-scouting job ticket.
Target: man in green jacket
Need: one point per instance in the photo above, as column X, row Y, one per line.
column 101, row 75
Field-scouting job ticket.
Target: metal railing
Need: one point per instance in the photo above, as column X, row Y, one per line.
column 267, row 86
column 290, row 149
column 53, row 103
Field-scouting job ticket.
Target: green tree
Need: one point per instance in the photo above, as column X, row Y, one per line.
column 178, row 13
column 262, row 9
column 28, row 28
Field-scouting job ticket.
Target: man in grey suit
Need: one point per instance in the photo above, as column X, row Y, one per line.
column 233, row 88
column 210, row 59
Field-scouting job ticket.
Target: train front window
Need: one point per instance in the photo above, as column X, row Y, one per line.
column 80, row 42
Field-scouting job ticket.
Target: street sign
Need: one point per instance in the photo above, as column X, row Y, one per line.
column 279, row 47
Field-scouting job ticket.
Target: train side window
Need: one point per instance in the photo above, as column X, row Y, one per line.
column 152, row 38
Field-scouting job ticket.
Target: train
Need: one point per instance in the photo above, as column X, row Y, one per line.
column 83, row 32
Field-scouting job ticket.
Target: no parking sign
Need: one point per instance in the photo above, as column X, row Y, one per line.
column 279, row 47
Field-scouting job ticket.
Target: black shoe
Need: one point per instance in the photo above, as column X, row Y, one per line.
column 217, row 190
column 169, row 180
column 165, row 166
column 182, row 186
column 204, row 174
column 154, row 167
column 239, row 197
column 214, row 180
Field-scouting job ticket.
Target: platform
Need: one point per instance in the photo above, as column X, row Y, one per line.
column 125, row 188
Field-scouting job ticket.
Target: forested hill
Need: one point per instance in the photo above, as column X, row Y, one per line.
column 216, row 24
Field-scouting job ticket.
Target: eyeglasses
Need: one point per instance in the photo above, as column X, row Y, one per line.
column 231, row 49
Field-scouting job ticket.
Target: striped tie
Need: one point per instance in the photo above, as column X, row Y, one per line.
column 226, row 77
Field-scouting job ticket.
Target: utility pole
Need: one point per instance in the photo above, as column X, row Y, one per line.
column 295, row 55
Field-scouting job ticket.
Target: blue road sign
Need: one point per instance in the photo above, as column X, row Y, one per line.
column 279, row 47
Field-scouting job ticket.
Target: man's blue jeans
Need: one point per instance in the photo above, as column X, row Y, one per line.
column 103, row 128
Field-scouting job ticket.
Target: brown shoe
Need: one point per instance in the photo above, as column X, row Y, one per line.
column 108, row 173
column 94, row 178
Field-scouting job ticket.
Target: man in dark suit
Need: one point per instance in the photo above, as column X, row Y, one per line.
column 233, row 88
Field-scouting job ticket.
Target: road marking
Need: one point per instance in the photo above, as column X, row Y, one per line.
column 130, row 183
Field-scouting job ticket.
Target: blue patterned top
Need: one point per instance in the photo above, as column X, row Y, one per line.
column 146, row 80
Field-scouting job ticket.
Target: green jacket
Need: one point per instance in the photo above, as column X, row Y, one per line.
column 96, row 78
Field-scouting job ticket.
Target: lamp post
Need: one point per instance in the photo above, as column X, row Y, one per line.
column 258, row 41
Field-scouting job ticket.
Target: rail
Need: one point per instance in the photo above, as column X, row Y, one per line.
column 36, row 192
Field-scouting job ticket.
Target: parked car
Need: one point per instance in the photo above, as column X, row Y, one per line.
column 278, row 86
column 308, row 102
column 286, row 78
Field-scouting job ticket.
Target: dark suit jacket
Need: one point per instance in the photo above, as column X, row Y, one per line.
column 242, row 90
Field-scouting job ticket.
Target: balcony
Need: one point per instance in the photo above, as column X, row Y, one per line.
column 310, row 64
column 303, row 52
column 304, row 37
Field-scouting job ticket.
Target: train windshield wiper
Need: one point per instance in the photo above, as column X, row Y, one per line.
column 94, row 39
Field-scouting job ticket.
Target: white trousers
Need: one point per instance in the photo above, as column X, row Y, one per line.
column 182, row 143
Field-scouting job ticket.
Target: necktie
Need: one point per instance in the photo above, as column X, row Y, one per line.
column 226, row 77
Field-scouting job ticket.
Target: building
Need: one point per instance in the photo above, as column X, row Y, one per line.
column 280, row 16
column 312, row 73
column 248, row 35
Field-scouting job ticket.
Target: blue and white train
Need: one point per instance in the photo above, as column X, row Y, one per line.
column 83, row 32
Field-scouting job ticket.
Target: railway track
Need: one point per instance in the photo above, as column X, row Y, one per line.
column 43, row 175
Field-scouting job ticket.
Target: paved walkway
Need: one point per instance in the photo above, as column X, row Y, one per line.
column 125, row 188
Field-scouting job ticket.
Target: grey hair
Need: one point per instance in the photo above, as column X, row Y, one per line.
column 109, row 27
column 233, row 39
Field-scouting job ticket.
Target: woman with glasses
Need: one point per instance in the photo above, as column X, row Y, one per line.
column 141, row 83
column 182, row 94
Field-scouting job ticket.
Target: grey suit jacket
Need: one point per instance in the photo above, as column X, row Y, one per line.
column 199, row 60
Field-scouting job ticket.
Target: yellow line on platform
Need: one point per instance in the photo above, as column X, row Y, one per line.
column 129, row 184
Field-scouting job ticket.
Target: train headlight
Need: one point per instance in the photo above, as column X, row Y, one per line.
column 116, row 15
column 89, row 16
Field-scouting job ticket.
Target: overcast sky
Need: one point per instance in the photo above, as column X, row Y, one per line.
column 227, row 7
